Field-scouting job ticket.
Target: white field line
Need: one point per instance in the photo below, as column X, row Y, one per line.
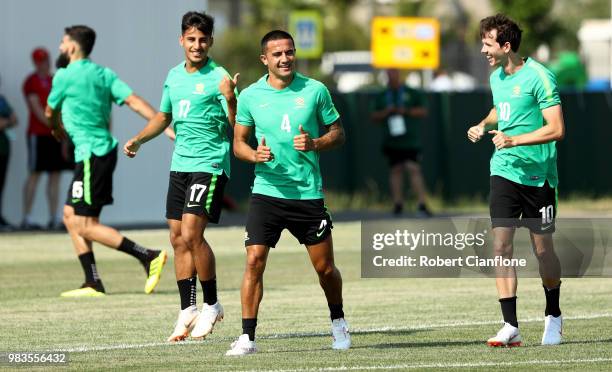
column 85, row 348
column 444, row 365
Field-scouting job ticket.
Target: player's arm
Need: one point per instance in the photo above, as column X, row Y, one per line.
column 170, row 132
column 330, row 140
column 554, row 130
column 415, row 112
column 154, row 127
column 9, row 122
column 227, row 87
column 476, row 132
column 35, row 107
column 380, row 115
column 140, row 106
column 54, row 120
column 242, row 149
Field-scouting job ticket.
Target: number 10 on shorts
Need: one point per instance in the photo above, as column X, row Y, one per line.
column 547, row 214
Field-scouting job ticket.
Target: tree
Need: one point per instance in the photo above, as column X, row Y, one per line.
column 238, row 47
column 535, row 19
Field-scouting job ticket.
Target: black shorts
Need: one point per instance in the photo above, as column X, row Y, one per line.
column 399, row 156
column 92, row 185
column 198, row 193
column 45, row 154
column 268, row 216
column 513, row 205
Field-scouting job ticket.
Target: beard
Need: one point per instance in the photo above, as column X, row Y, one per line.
column 62, row 60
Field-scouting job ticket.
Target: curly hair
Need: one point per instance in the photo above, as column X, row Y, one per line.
column 507, row 30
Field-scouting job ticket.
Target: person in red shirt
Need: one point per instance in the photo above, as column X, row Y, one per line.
column 45, row 154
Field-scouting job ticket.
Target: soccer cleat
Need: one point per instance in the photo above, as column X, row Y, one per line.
column 86, row 290
column 508, row 336
column 155, row 269
column 242, row 346
column 210, row 315
column 184, row 324
column 553, row 330
column 340, row 334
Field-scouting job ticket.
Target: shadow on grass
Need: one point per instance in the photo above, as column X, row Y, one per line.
column 328, row 334
column 412, row 345
column 578, row 342
column 140, row 292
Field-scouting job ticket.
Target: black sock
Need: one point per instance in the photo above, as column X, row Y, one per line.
column 209, row 287
column 335, row 311
column 143, row 254
column 88, row 263
column 552, row 301
column 248, row 327
column 187, row 291
column 508, row 307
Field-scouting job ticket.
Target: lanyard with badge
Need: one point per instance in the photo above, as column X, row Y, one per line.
column 396, row 122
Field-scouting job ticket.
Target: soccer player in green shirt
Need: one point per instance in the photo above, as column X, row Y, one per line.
column 525, row 122
column 285, row 109
column 83, row 93
column 199, row 99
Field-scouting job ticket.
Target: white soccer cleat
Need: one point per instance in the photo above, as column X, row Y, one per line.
column 340, row 334
column 186, row 321
column 553, row 330
column 242, row 346
column 508, row 336
column 210, row 315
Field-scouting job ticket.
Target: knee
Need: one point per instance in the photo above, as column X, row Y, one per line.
column 178, row 244
column 397, row 170
column 175, row 238
column 413, row 168
column 255, row 264
column 85, row 230
column 33, row 177
column 541, row 253
column 190, row 238
column 501, row 248
column 325, row 268
column 67, row 217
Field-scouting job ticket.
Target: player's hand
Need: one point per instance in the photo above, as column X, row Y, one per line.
column 227, row 86
column 263, row 153
column 475, row 133
column 131, row 147
column 303, row 142
column 59, row 133
column 501, row 140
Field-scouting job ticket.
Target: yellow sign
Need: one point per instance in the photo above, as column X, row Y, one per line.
column 405, row 42
column 306, row 27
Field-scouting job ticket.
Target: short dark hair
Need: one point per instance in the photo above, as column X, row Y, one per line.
column 84, row 36
column 200, row 21
column 507, row 30
column 275, row 35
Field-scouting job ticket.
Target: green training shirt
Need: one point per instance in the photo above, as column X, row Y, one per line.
column 519, row 99
column 277, row 115
column 84, row 92
column 199, row 115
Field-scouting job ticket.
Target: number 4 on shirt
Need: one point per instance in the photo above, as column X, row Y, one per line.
column 285, row 124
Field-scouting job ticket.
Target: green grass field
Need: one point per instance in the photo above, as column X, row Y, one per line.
column 396, row 323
